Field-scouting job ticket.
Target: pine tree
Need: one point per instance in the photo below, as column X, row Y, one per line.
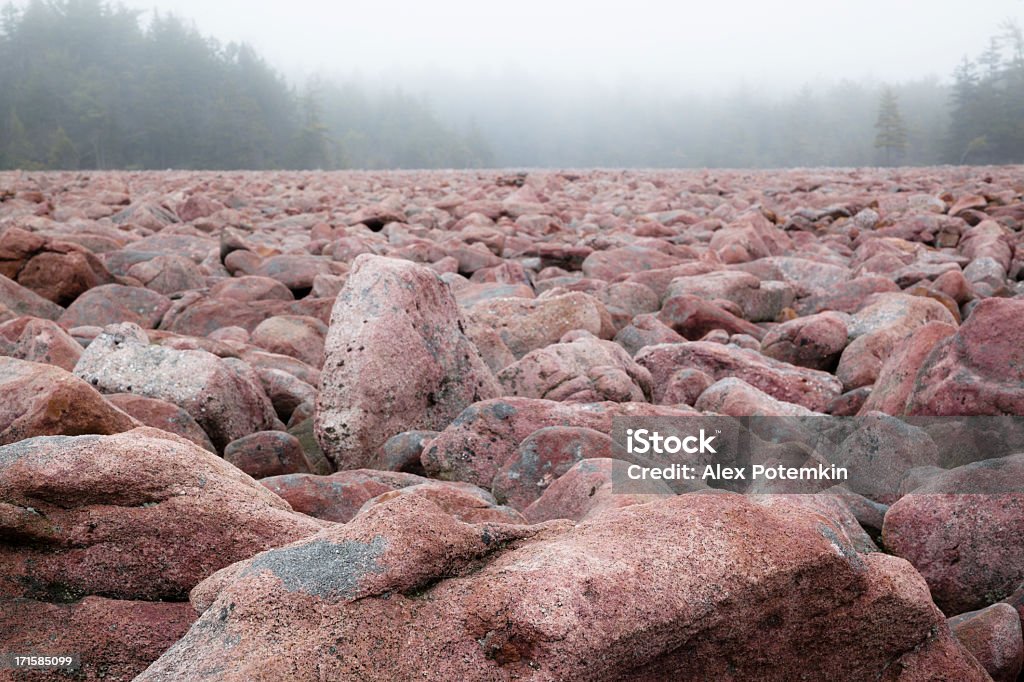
column 892, row 134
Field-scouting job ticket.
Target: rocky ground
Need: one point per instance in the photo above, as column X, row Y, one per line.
column 355, row 426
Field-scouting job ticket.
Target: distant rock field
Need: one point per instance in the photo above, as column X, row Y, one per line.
column 359, row 425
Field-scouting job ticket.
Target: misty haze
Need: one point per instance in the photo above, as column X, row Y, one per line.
column 453, row 84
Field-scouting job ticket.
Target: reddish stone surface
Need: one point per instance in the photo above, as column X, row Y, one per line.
column 481, row 440
column 267, row 453
column 161, row 414
column 297, row 336
column 736, row 398
column 646, row 330
column 23, row 301
column 586, row 369
column 729, row 291
column 587, row 489
column 693, row 317
column 979, row 370
column 612, row 598
column 340, row 496
column 961, row 529
column 139, row 515
column 114, row 303
column 899, row 371
column 815, row 341
column 809, row 388
column 528, row 324
column 396, row 359
column 39, row 340
column 116, row 639
column 44, row 400
column 544, row 456
column 463, row 501
column 993, row 636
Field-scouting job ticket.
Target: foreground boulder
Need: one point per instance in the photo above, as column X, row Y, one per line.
column 140, row 515
column 396, row 359
column 962, row 531
column 656, row 591
column 224, row 396
column 44, row 400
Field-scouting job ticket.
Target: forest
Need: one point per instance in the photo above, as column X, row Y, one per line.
column 89, row 85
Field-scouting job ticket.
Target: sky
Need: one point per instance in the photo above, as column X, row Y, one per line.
column 707, row 43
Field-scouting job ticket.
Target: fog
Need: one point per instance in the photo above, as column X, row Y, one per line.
column 559, row 83
column 696, row 44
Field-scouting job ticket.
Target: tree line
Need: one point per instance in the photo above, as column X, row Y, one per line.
column 85, row 84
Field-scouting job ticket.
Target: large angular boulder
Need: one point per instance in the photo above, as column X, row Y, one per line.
column 406, row 588
column 224, row 396
column 396, row 358
column 139, row 515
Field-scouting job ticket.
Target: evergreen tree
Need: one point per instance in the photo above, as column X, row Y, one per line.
column 892, row 133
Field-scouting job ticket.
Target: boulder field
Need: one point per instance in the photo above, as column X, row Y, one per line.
column 362, row 425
